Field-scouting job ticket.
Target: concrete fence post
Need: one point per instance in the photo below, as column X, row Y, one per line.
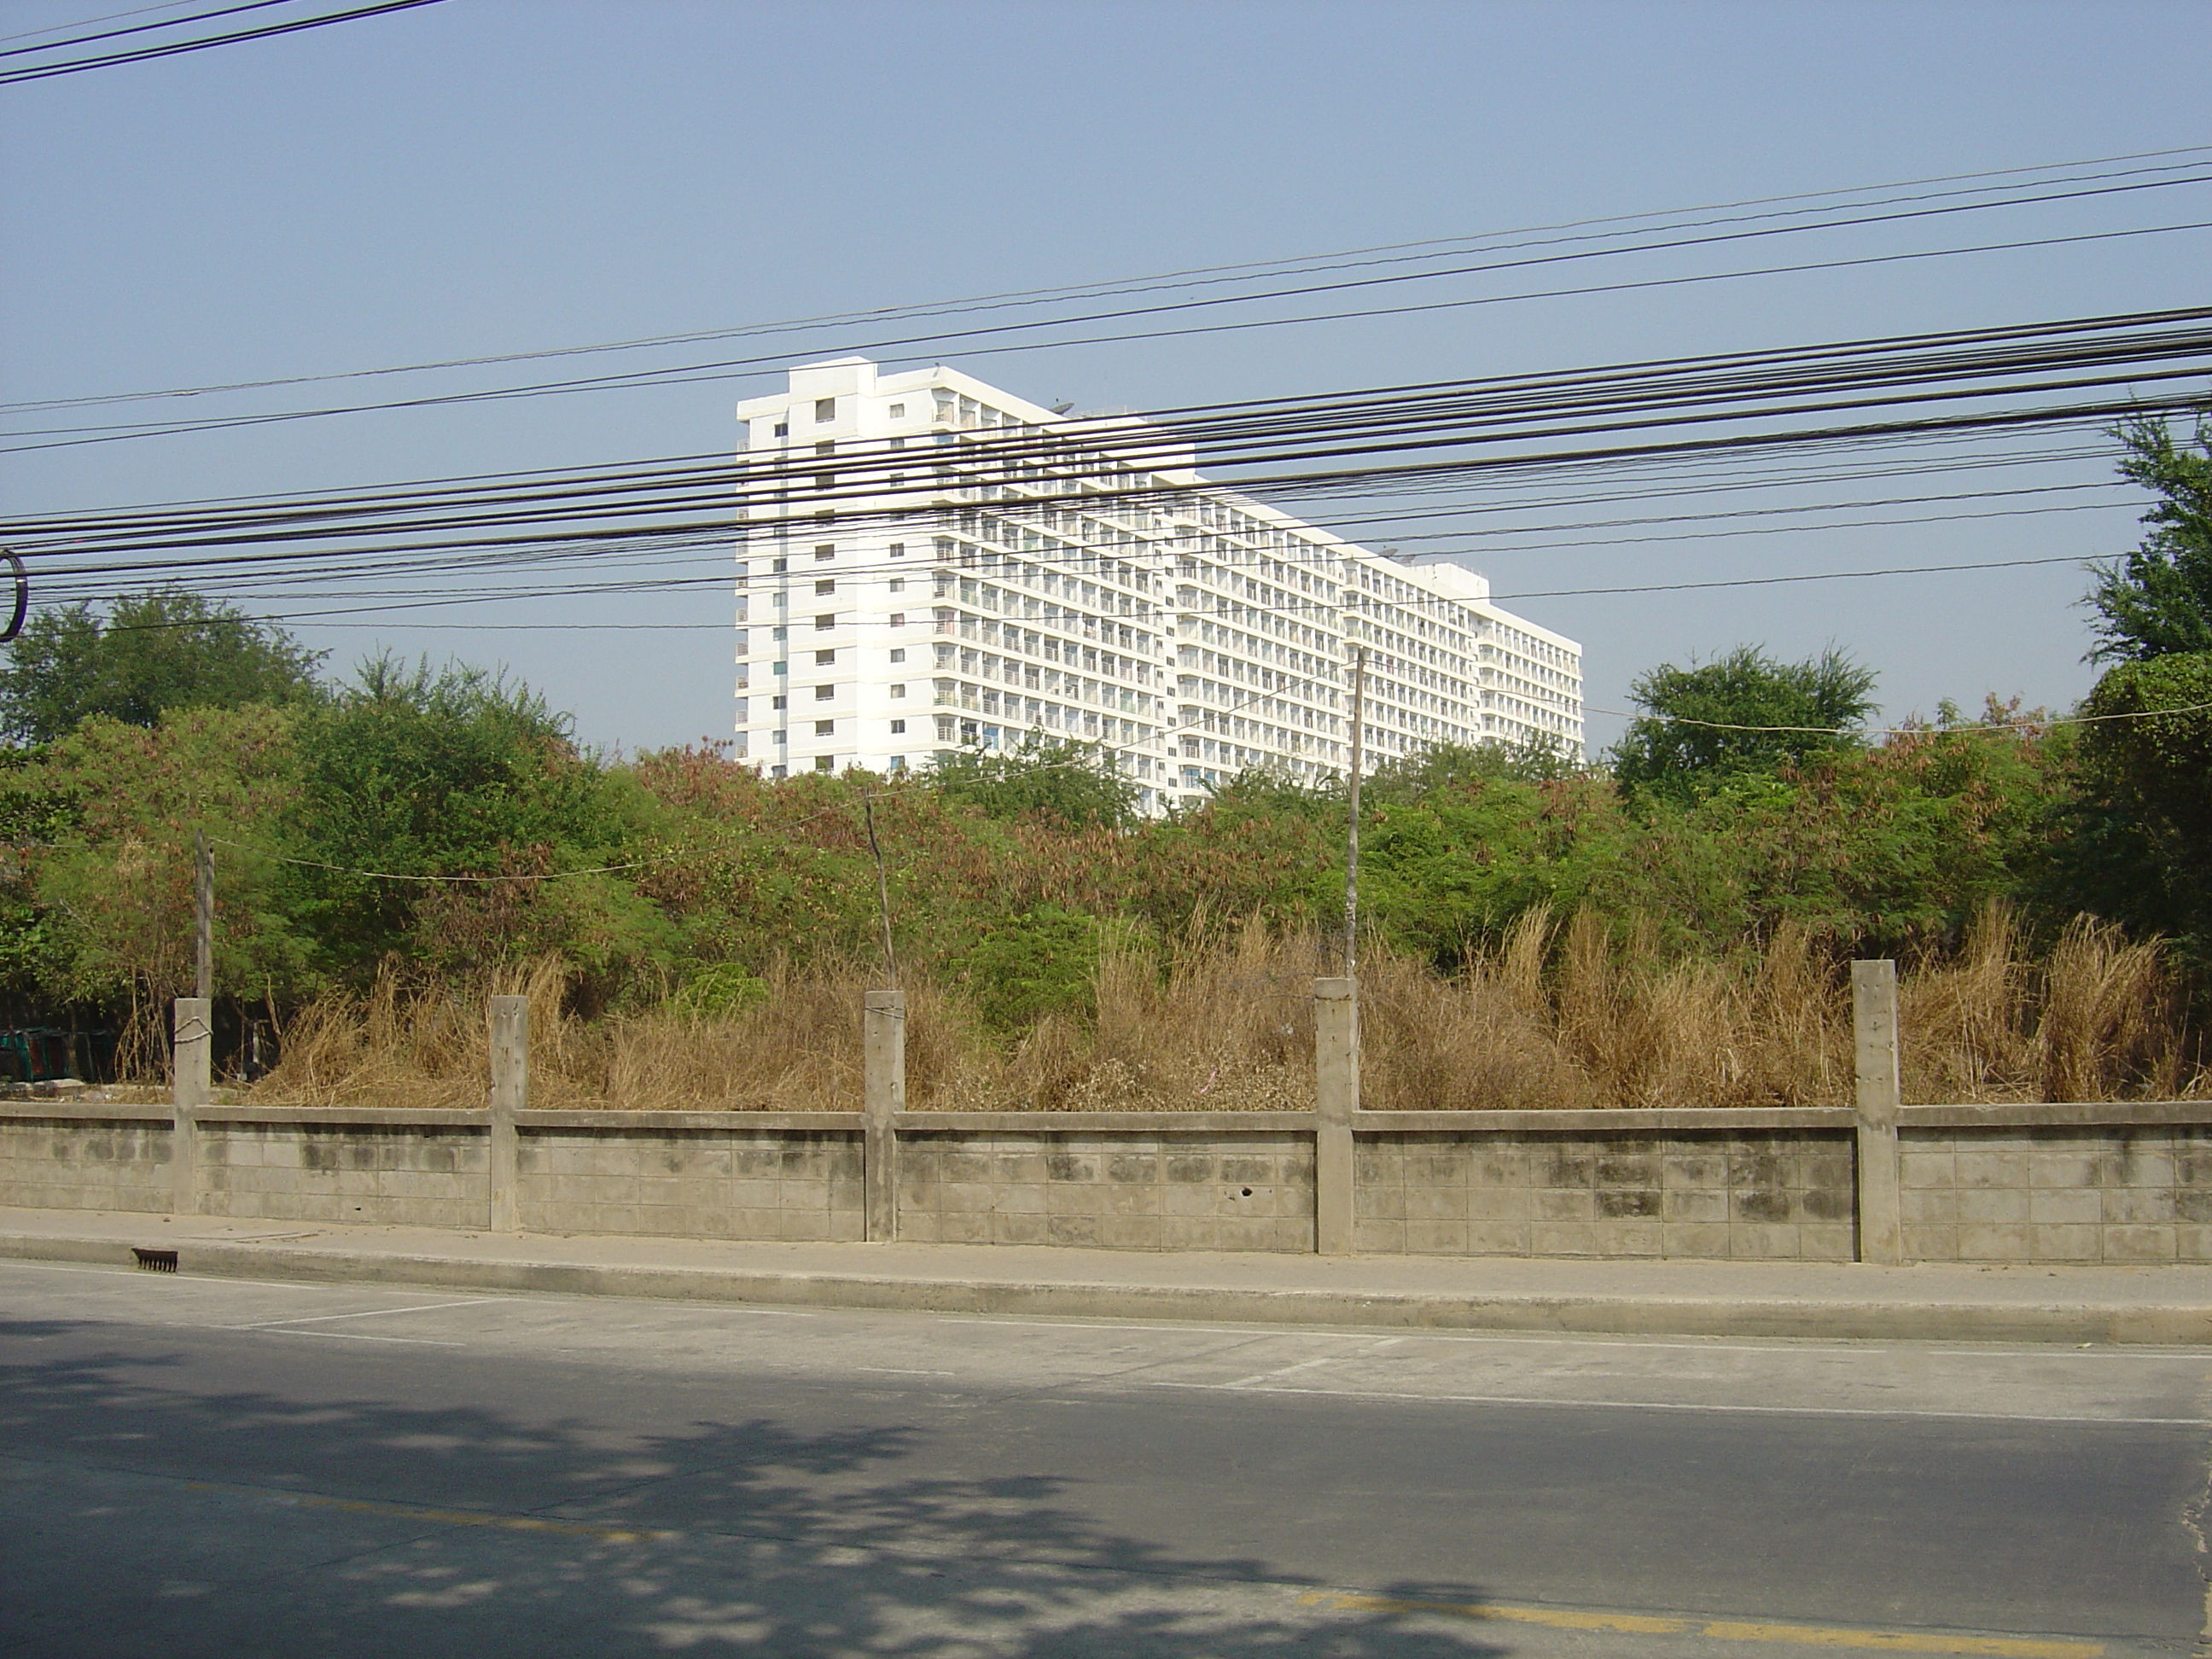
column 1878, row 1096
column 510, row 1093
column 883, row 1092
column 1336, row 1098
column 192, row 1081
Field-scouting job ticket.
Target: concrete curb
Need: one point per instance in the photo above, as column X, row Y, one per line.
column 2177, row 1324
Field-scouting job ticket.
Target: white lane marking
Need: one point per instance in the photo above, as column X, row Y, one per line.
column 1572, row 1339
column 1577, row 1339
column 1679, row 1405
column 364, row 1313
column 140, row 1276
column 339, row 1336
column 900, row 1370
column 1309, row 1365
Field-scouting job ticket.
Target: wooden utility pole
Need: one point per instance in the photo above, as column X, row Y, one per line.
column 203, row 917
column 1351, row 824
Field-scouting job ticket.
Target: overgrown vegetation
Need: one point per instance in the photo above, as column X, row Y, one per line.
column 1552, row 1014
column 1669, row 927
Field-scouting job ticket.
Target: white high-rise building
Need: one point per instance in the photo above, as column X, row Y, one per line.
column 925, row 562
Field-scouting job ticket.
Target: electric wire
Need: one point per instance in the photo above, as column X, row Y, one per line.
column 136, row 11
column 1678, row 390
column 1192, row 277
column 139, row 28
column 142, row 54
column 744, row 368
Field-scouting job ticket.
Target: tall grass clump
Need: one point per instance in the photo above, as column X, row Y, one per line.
column 1556, row 1014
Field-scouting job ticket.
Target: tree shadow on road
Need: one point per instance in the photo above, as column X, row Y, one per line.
column 157, row 1514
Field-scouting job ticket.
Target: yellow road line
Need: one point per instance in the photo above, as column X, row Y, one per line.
column 445, row 1518
column 478, row 1518
column 1724, row 1629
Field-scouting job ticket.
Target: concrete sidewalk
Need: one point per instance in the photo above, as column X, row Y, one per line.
column 2121, row 1304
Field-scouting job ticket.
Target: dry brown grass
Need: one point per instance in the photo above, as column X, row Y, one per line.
column 1581, row 1017
column 1225, row 1023
column 2098, row 1020
column 797, row 1051
column 1559, row 1015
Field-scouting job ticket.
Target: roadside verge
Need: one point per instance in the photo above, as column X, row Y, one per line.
column 2161, row 1305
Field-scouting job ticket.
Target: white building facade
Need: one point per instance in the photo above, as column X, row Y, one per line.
column 925, row 562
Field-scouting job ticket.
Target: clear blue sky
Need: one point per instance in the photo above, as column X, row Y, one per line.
column 480, row 176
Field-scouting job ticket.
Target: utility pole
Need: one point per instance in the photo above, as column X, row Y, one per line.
column 883, row 887
column 1352, row 823
column 203, row 917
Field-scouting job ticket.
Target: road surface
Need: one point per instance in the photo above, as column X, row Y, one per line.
column 210, row 1466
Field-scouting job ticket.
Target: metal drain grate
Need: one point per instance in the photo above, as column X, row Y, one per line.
column 155, row 1261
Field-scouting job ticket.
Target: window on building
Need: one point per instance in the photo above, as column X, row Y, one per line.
column 898, row 619
column 898, row 584
column 898, row 411
column 825, row 764
column 827, row 550
column 898, row 549
column 824, row 728
column 898, row 729
column 823, row 624
column 828, row 584
column 825, row 656
column 823, row 693
column 775, row 703
column 781, row 566
column 898, row 690
column 783, row 430
column 899, row 654
column 825, row 409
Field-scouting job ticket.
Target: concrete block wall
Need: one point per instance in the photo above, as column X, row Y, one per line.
column 1780, row 1196
column 686, row 1182
column 2131, row 1193
column 1133, row 1190
column 385, row 1175
column 72, row 1160
column 2110, row 1182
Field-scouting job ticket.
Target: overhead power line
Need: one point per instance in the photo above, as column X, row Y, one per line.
column 142, row 54
column 1434, row 248
column 106, row 17
column 2125, row 349
column 139, row 28
column 607, row 526
column 742, row 367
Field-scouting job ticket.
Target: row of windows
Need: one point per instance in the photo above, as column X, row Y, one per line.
column 829, row 729
column 824, row 693
column 981, row 664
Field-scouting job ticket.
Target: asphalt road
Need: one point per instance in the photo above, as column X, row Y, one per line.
column 207, row 1467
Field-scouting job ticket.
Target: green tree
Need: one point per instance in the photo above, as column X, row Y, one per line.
column 2157, row 600
column 2140, row 844
column 150, row 653
column 1076, row 784
column 1539, row 758
column 1742, row 713
column 118, row 806
column 1024, row 966
column 409, row 774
